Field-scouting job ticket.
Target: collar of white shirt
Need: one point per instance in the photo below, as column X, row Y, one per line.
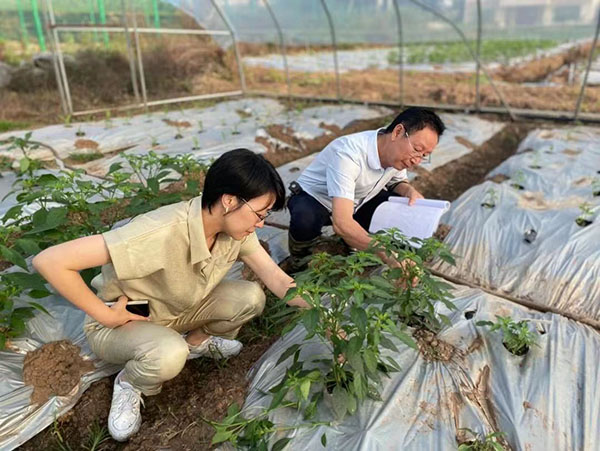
column 373, row 154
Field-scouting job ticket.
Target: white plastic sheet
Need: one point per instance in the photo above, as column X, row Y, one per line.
column 545, row 400
column 561, row 267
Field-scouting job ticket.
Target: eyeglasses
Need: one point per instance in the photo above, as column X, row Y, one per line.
column 425, row 159
column 259, row 216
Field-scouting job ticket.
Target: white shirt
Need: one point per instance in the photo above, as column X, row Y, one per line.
column 349, row 167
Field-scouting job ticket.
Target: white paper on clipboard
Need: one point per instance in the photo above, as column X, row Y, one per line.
column 420, row 220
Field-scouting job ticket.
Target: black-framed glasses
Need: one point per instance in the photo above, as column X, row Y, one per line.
column 258, row 215
column 425, row 159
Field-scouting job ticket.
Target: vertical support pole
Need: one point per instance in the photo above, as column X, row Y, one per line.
column 338, row 88
column 587, row 69
column 102, row 14
column 57, row 62
column 400, row 53
column 93, row 18
column 477, row 63
column 22, row 24
column 235, row 46
column 147, row 13
column 38, row 25
column 138, row 51
column 281, row 45
column 130, row 55
column 156, row 14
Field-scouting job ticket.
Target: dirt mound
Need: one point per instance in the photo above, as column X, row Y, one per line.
column 539, row 69
column 431, row 347
column 54, row 370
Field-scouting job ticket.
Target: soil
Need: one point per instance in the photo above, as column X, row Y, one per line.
column 174, row 419
column 178, row 124
column 539, row 69
column 54, row 370
column 431, row 347
column 442, row 231
column 499, row 178
column 86, row 144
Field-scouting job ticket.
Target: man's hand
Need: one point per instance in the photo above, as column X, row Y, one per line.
column 413, row 196
column 405, row 190
column 119, row 315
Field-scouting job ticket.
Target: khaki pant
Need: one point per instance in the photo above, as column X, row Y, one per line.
column 154, row 352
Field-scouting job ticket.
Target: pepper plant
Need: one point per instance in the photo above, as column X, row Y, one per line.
column 517, row 337
column 414, row 291
column 357, row 305
column 491, row 196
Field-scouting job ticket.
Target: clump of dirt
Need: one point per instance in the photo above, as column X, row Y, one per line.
column 243, row 114
column 442, row 231
column 465, row 142
column 86, row 144
column 54, row 370
column 333, row 245
column 571, row 152
column 431, row 347
column 178, row 124
column 330, row 127
column 499, row 178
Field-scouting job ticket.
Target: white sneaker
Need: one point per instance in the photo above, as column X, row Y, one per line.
column 215, row 347
column 124, row 418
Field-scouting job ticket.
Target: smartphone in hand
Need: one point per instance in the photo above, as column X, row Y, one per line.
column 139, row 307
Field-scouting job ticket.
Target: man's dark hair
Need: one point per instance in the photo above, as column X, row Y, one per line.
column 414, row 119
column 244, row 174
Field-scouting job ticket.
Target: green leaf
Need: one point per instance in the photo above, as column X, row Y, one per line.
column 324, row 440
column 387, row 343
column 339, row 402
column 26, row 280
column 370, row 360
column 13, row 257
column 281, row 443
column 13, row 213
column 355, row 360
column 305, row 388
column 278, row 397
column 153, row 184
column 28, row 246
column 39, row 294
column 288, row 353
column 222, row 435
column 24, row 164
column 114, row 167
column 310, row 320
column 55, row 217
column 359, row 317
column 351, row 404
column 406, row 339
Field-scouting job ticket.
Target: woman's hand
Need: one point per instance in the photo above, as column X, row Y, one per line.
column 119, row 315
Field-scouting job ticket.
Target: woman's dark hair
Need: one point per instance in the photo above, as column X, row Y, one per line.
column 415, row 118
column 244, row 174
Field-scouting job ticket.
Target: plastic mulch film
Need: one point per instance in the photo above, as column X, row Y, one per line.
column 545, row 400
column 20, row 420
column 528, row 244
